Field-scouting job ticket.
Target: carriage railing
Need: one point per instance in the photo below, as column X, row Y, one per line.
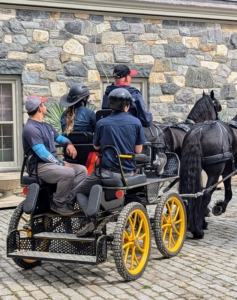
column 98, row 162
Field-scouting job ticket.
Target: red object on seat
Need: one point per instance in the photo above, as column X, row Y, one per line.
column 25, row 191
column 90, row 161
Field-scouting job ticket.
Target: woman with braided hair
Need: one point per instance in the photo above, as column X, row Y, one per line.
column 77, row 117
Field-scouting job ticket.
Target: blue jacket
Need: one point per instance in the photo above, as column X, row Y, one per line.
column 137, row 109
column 84, row 120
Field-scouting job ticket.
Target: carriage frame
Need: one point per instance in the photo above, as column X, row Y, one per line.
column 37, row 234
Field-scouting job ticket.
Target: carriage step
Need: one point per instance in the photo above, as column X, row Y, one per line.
column 36, row 255
column 63, row 236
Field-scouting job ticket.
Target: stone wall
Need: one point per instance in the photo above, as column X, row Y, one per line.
column 52, row 51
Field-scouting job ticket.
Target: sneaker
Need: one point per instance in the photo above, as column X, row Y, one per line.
column 63, row 210
column 160, row 163
column 85, row 228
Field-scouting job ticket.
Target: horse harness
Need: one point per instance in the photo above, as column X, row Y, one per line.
column 222, row 157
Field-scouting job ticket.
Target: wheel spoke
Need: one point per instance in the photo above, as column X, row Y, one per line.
column 125, row 235
column 177, row 222
column 132, row 227
column 139, row 229
column 126, row 255
column 127, row 245
column 176, row 214
column 132, row 258
column 135, row 220
column 170, row 236
column 141, row 236
column 176, row 231
column 140, row 248
column 164, row 234
column 136, row 259
column 172, row 239
column 165, row 225
column 164, row 216
column 169, row 209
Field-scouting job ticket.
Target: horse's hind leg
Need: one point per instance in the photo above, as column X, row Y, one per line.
column 213, row 173
column 220, row 206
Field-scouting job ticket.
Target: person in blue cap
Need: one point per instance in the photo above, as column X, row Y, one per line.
column 123, row 76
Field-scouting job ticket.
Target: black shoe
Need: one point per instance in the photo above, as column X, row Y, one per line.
column 63, row 210
column 85, row 228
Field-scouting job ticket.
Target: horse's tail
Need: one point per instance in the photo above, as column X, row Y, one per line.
column 190, row 173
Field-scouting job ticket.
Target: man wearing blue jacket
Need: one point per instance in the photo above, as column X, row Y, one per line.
column 122, row 76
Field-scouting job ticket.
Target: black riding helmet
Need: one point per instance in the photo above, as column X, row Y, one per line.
column 119, row 98
column 77, row 93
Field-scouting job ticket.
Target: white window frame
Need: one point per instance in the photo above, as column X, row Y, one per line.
column 15, row 81
column 138, row 80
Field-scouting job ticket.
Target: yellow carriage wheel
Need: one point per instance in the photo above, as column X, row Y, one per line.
column 21, row 222
column 170, row 225
column 132, row 241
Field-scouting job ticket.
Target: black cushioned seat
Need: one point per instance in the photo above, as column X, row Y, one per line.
column 27, row 181
column 117, row 182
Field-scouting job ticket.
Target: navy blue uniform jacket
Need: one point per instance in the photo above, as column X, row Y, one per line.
column 137, row 109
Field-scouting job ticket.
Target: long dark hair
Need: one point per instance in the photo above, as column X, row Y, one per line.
column 70, row 116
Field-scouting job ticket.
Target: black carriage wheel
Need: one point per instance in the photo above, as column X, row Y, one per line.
column 132, row 241
column 170, row 224
column 18, row 219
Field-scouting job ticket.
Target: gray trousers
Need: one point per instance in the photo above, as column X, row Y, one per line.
column 90, row 181
column 68, row 180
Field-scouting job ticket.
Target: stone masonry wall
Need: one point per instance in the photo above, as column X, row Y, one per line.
column 52, row 51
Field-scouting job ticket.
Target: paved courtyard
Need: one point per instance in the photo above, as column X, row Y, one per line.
column 205, row 269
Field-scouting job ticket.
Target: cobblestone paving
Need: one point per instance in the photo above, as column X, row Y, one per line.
column 205, row 269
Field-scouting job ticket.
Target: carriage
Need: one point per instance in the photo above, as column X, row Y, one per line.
column 121, row 207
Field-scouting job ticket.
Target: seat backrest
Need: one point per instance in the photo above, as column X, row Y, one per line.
column 83, row 154
column 103, row 113
column 80, row 137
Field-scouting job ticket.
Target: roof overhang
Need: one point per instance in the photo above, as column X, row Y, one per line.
column 154, row 9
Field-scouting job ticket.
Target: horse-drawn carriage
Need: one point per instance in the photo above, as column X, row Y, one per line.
column 37, row 234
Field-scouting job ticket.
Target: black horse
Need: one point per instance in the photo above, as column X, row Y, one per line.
column 211, row 146
column 206, row 108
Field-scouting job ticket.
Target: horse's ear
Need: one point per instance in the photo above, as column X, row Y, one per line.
column 212, row 95
column 203, row 94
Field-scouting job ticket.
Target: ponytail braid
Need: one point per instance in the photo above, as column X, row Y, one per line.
column 70, row 115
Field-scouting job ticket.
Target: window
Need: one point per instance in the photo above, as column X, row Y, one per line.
column 139, row 83
column 10, row 123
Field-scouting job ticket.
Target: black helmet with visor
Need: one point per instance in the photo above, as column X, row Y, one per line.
column 119, row 98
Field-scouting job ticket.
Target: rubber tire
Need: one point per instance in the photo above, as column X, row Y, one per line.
column 118, row 241
column 13, row 225
column 158, row 232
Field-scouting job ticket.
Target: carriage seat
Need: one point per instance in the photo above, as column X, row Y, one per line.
column 117, row 182
column 28, row 180
column 80, row 137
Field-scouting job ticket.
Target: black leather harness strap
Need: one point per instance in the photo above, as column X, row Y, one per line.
column 224, row 156
column 217, row 158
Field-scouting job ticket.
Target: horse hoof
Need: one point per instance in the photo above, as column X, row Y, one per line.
column 217, row 210
column 198, row 235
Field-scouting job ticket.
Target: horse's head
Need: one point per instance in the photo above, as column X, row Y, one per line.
column 215, row 102
column 206, row 108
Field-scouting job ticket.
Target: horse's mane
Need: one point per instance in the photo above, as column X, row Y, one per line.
column 202, row 110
